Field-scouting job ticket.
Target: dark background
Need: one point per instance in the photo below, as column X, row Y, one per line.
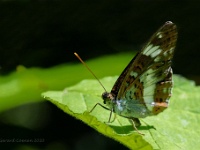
column 45, row 33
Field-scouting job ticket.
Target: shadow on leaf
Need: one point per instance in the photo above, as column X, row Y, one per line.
column 129, row 129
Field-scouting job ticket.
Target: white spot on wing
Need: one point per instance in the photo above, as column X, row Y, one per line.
column 171, row 50
column 151, row 50
column 153, row 104
column 159, row 35
column 147, row 77
column 148, row 101
column 149, row 90
column 134, row 74
column 157, row 59
column 165, row 54
column 147, row 48
column 150, row 71
column 156, row 53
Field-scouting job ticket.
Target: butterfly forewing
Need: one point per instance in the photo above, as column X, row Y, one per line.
column 148, row 77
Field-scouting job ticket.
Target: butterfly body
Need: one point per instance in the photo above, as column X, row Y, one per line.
column 145, row 86
column 127, row 108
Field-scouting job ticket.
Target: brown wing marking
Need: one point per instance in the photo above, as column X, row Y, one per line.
column 163, row 92
column 122, row 78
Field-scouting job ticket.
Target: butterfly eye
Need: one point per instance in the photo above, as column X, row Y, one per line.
column 105, row 96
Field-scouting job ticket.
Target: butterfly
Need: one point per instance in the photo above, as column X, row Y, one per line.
column 145, row 86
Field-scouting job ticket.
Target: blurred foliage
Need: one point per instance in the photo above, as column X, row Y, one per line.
column 26, row 85
column 23, row 88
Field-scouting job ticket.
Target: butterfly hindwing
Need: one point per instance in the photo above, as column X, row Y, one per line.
column 148, row 77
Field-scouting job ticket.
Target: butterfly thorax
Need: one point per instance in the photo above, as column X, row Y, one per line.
column 125, row 108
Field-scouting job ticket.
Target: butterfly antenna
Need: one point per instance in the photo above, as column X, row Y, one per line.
column 89, row 70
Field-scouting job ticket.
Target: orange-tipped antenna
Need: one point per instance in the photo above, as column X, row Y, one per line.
column 89, row 70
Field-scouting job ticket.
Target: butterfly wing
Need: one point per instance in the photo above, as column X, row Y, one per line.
column 148, row 77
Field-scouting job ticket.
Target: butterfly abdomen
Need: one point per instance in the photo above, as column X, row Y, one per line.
column 131, row 109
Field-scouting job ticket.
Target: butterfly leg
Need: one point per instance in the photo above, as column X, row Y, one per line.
column 136, row 123
column 96, row 106
column 111, row 111
column 115, row 116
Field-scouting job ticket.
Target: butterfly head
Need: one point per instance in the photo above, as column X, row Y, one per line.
column 107, row 97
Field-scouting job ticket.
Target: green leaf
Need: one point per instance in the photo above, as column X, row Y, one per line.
column 172, row 129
